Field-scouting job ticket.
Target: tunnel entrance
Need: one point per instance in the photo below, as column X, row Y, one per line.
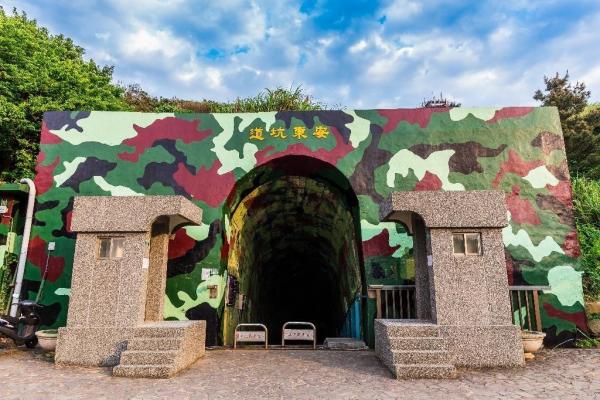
column 293, row 250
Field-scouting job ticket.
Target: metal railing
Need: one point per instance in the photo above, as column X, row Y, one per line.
column 261, row 336
column 525, row 306
column 394, row 301
column 398, row 302
column 301, row 334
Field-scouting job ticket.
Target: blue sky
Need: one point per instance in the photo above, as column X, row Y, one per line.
column 362, row 54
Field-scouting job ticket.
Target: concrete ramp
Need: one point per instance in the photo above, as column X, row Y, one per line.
column 344, row 344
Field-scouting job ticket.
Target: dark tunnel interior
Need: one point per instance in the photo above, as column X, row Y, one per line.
column 293, row 250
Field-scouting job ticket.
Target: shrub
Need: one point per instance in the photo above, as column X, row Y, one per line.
column 586, row 204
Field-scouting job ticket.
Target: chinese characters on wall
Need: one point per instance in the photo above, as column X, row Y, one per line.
column 298, row 133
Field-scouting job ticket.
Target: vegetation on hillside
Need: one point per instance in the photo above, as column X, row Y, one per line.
column 278, row 99
column 586, row 202
column 580, row 122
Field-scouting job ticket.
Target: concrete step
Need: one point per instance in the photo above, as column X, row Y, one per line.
column 144, row 371
column 154, row 343
column 424, row 371
column 144, row 357
column 417, row 343
column 419, row 357
column 402, row 330
column 153, row 331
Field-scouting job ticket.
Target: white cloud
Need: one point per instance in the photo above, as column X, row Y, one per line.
column 492, row 55
column 102, row 35
column 358, row 46
column 148, row 42
column 401, row 10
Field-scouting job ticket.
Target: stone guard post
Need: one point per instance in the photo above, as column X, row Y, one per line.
column 468, row 296
column 111, row 298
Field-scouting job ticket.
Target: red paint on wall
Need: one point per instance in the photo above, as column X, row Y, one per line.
column 429, row 182
column 562, row 192
column 166, row 128
column 37, row 255
column 48, row 137
column 225, row 251
column 571, row 245
column 206, row 185
column 510, row 112
column 521, row 210
column 378, row 245
column 420, row 116
column 516, row 165
column 44, row 174
column 577, row 318
column 180, row 244
column 68, row 221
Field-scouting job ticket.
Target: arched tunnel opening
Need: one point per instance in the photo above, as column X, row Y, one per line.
column 293, row 250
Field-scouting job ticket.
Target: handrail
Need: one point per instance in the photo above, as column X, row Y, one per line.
column 523, row 308
column 292, row 331
column 532, row 287
column 253, row 336
column 394, row 301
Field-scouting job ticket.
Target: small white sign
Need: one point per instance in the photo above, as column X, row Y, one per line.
column 250, row 336
column 429, row 260
column 298, row 334
column 3, row 209
column 206, row 273
column 145, row 263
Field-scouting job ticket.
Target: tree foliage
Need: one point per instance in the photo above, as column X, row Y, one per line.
column 278, row 99
column 42, row 72
column 586, row 204
column 580, row 122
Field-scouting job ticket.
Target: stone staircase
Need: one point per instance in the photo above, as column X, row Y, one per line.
column 161, row 349
column 413, row 349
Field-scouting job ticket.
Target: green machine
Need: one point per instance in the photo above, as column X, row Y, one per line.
column 13, row 204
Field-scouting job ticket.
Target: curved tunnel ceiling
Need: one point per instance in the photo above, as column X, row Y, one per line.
column 294, row 244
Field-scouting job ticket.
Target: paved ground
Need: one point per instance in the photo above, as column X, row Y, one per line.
column 302, row 374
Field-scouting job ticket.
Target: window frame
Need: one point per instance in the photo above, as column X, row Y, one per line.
column 466, row 251
column 99, row 240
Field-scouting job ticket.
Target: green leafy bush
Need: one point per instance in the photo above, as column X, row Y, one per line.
column 587, row 343
column 586, row 202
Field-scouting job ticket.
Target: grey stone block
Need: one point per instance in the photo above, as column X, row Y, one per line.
column 417, row 343
column 424, row 371
column 161, row 343
column 148, row 357
column 419, row 356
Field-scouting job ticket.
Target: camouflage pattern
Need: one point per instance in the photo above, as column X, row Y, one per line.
column 358, row 157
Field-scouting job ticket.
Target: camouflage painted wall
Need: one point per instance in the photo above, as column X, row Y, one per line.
column 202, row 156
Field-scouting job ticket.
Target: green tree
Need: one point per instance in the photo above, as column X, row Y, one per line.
column 42, row 72
column 580, row 123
